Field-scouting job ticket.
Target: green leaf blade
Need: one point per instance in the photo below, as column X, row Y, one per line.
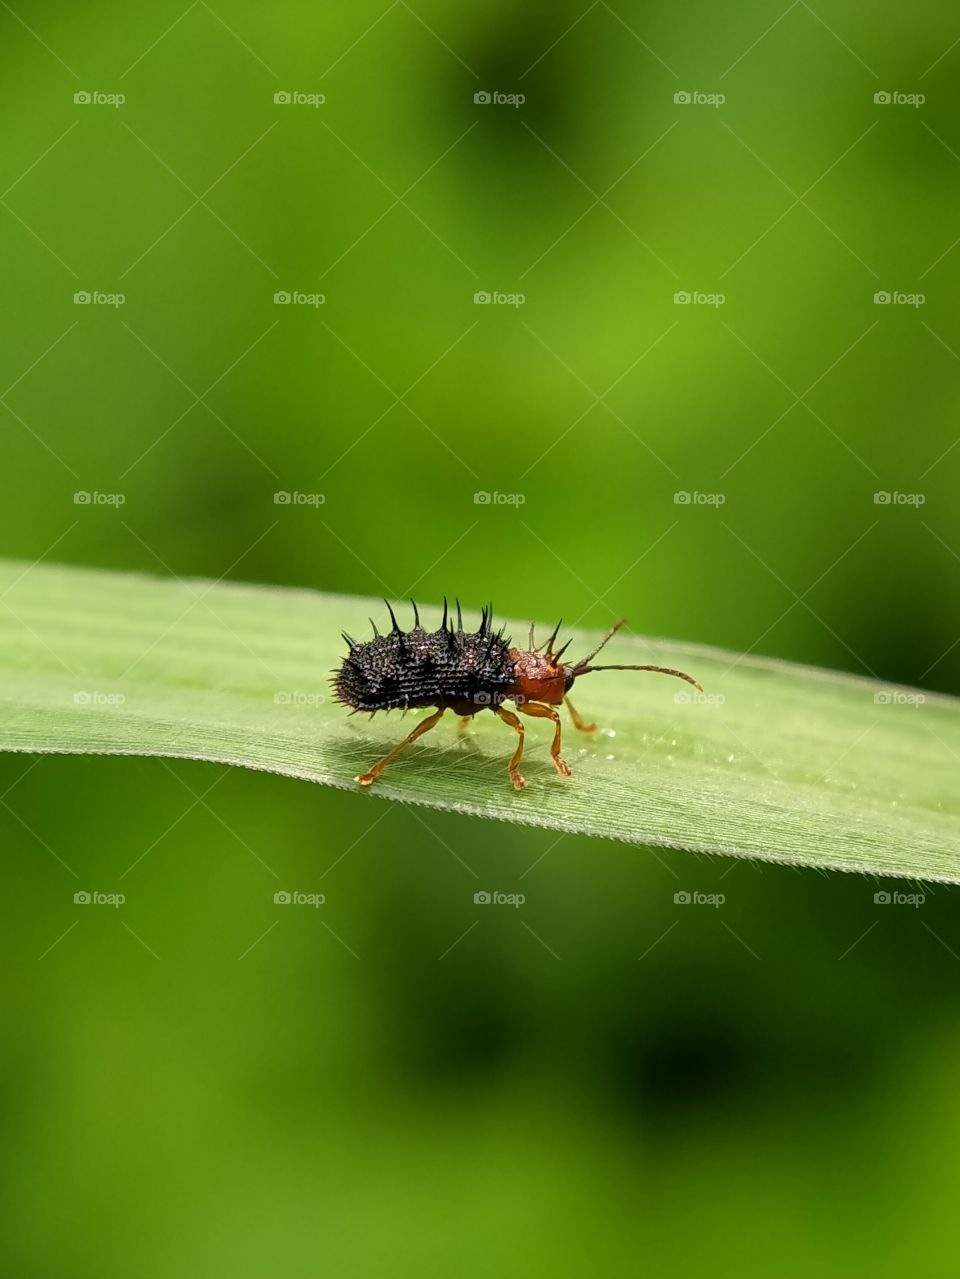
column 778, row 761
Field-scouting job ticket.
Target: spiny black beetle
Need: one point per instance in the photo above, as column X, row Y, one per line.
column 466, row 672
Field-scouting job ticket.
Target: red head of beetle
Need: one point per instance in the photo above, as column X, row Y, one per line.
column 539, row 677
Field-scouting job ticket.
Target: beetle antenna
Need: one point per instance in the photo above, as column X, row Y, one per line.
column 582, row 669
column 609, row 636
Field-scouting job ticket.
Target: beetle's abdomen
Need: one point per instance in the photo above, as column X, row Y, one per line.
column 427, row 668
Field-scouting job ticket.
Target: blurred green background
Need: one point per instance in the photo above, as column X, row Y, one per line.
column 401, row 1082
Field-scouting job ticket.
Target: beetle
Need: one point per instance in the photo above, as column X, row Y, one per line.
column 467, row 672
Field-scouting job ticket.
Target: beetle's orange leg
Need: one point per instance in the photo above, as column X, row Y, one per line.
column 547, row 712
column 423, row 727
column 577, row 721
column 508, row 717
column 465, row 722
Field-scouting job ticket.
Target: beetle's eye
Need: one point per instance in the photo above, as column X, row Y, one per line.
column 568, row 678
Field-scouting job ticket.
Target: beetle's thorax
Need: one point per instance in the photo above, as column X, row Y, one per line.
column 538, row 678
